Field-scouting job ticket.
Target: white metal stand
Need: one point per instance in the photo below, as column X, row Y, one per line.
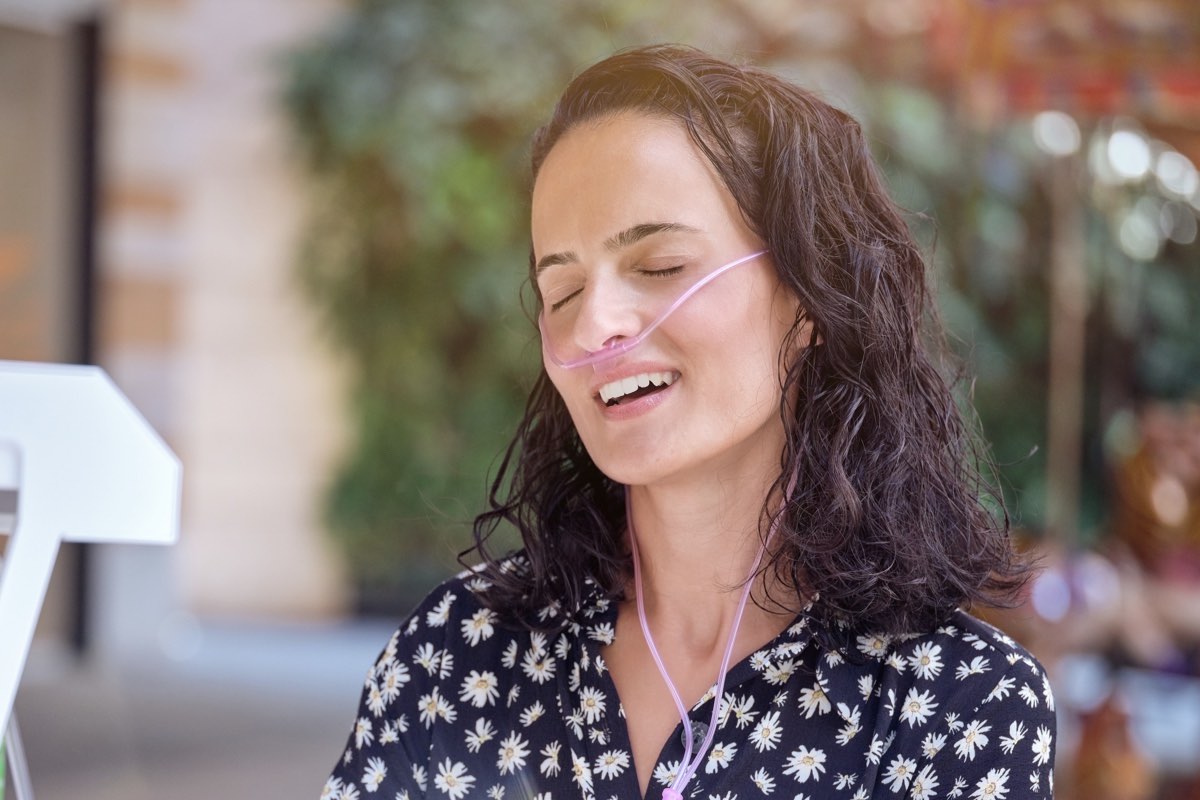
column 77, row 464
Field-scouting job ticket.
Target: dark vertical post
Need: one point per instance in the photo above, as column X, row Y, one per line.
column 1068, row 320
column 88, row 63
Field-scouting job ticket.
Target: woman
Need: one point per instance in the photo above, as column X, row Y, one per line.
column 737, row 400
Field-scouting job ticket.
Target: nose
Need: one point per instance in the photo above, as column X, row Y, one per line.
column 608, row 312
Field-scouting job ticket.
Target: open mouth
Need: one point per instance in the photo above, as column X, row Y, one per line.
column 635, row 386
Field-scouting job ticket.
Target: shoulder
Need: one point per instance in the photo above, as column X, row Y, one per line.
column 455, row 620
column 965, row 669
column 452, row 617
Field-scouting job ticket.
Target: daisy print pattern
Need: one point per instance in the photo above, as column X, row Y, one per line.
column 461, row 705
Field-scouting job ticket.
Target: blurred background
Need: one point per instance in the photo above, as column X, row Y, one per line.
column 294, row 232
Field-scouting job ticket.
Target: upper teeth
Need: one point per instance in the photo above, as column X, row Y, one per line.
column 624, row 386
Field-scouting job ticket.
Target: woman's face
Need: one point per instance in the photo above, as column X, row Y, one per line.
column 627, row 213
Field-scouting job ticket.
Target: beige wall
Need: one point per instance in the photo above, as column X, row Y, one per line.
column 202, row 322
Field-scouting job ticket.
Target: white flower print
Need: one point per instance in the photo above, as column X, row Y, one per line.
column 1035, row 781
column 479, row 689
column 389, row 734
column 896, row 662
column 598, row 736
column 495, row 792
column 440, row 614
column 978, row 666
column 973, row 738
column 805, row 763
column 875, row 646
column 514, row 692
column 575, row 722
column 926, row 660
column 452, row 779
column 866, row 685
column 1047, row 693
column 375, row 701
column 364, row 733
column 742, row 713
column 899, row 773
column 349, row 792
column 612, row 763
column 481, row 735
column 853, row 724
column 445, row 664
column 1016, row 732
column 1001, row 690
column 780, row 673
column 875, row 750
column 532, row 714
column 332, row 788
column 957, row 789
column 925, row 784
column 549, row 766
column 813, row 701
column 538, row 666
column 1027, row 693
column 591, row 702
column 479, row 627
column 581, row 773
column 575, row 679
column 602, row 633
column 719, row 756
column 420, row 776
column 918, row 707
column 428, row 657
column 666, row 772
column 394, row 677
column 434, row 706
column 585, row 660
column 953, row 722
column 513, row 750
column 992, row 786
column 933, row 744
column 767, row 732
column 509, row 659
column 843, row 781
column 759, row 661
column 763, row 781
column 1041, row 746
column 374, row 774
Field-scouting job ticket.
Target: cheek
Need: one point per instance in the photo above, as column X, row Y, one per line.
column 573, row 396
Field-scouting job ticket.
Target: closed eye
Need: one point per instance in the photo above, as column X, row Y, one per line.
column 662, row 273
column 666, row 272
column 557, row 304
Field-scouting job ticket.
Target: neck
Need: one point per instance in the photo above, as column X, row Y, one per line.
column 698, row 543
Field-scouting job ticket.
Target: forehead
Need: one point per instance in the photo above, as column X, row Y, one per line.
column 622, row 170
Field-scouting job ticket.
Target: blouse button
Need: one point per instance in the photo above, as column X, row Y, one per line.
column 699, row 731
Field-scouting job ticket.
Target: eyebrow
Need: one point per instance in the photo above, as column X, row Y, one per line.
column 626, row 238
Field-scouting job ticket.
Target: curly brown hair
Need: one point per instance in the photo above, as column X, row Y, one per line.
column 890, row 521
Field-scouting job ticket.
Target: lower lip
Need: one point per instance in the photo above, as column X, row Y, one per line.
column 636, row 407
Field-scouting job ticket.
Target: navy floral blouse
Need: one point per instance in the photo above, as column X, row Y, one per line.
column 459, row 707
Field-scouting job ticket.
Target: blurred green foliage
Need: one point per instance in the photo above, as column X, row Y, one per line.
column 414, row 118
